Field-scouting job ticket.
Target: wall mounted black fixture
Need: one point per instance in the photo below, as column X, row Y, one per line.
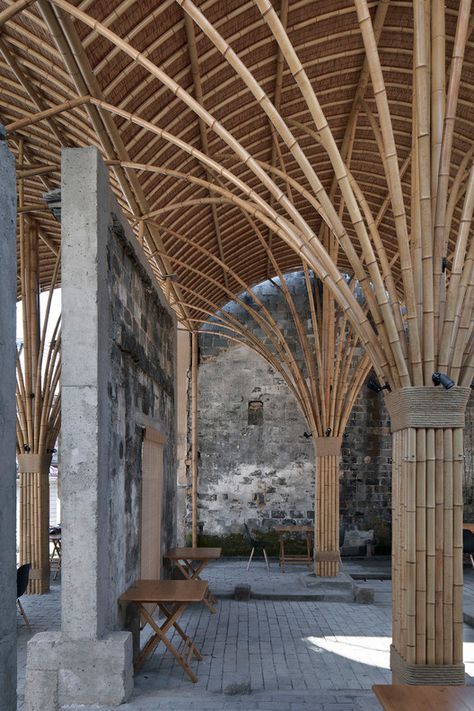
column 376, row 388
column 443, row 379
column 307, row 435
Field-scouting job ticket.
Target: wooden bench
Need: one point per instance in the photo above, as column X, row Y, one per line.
column 291, row 559
column 395, row 697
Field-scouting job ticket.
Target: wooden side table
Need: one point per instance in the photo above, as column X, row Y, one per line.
column 172, row 597
column 394, row 697
column 191, row 562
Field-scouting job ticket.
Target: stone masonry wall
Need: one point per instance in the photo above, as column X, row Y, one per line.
column 258, row 467
column 141, row 392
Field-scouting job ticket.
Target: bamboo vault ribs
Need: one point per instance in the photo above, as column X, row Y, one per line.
column 346, row 166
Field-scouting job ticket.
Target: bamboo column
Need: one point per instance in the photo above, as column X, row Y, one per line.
column 194, row 435
column 324, row 369
column 328, row 462
column 427, row 568
column 38, row 407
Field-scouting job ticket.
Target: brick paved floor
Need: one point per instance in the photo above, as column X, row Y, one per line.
column 294, row 654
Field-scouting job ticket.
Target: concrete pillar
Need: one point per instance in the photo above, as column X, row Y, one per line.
column 88, row 662
column 7, row 427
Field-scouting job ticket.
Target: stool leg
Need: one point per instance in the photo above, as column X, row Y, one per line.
column 266, row 559
column 23, row 614
column 472, row 559
column 250, row 559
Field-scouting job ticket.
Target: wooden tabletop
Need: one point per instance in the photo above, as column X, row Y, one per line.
column 424, row 698
column 290, row 528
column 469, row 526
column 193, row 553
column 165, row 591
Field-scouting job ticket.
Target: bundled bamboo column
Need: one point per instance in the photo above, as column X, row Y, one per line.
column 34, row 517
column 427, row 534
column 328, row 460
column 38, row 407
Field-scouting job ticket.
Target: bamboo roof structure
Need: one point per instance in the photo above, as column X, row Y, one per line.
column 300, row 118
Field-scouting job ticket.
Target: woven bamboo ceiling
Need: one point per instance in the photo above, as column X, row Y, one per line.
column 54, row 53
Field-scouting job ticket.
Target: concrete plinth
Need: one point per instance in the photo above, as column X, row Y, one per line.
column 330, row 589
column 62, row 671
column 7, row 427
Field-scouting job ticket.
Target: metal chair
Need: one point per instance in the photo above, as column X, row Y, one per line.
column 22, row 577
column 253, row 543
column 468, row 544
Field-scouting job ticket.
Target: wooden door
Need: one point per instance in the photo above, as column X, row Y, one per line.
column 152, row 505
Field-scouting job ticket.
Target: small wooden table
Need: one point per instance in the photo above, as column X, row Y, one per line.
column 424, row 698
column 55, row 556
column 191, row 562
column 300, row 559
column 172, row 597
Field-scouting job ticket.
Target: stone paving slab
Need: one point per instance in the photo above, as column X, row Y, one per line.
column 294, row 654
column 169, row 701
column 294, row 583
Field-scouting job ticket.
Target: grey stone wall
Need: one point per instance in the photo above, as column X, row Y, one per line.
column 257, row 465
column 469, row 462
column 141, row 392
column 264, row 473
column 259, row 473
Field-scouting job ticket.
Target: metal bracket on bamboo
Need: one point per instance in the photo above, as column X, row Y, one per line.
column 328, row 446
column 32, row 463
column 427, row 407
column 327, row 556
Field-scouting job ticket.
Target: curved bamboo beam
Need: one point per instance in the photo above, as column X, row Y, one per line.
column 210, row 121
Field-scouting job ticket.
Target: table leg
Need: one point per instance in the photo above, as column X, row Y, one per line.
column 160, row 636
column 209, row 600
column 282, row 552
column 308, row 547
column 56, row 556
column 191, row 573
column 185, row 637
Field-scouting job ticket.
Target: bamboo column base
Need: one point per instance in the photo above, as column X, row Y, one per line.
column 431, row 674
column 328, row 457
column 34, row 519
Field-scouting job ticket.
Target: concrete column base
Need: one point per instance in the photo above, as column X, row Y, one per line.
column 404, row 673
column 61, row 671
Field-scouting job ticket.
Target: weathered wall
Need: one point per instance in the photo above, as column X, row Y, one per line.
column 7, row 427
column 183, row 365
column 140, row 388
column 264, row 473
column 259, row 473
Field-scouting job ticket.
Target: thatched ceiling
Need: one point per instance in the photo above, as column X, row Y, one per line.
column 49, row 57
